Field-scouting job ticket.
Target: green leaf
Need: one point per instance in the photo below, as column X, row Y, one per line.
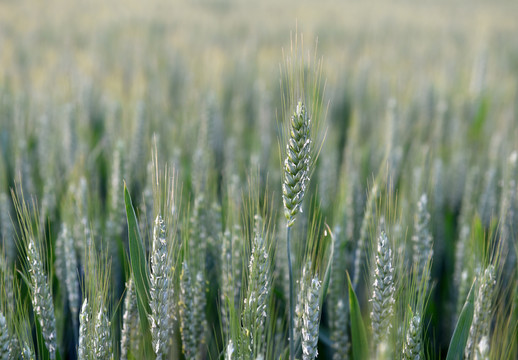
column 138, row 263
column 461, row 332
column 358, row 333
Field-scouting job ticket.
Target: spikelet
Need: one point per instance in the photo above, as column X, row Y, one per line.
column 226, row 276
column 482, row 352
column 6, row 229
column 364, row 232
column 311, row 320
column 256, row 301
column 301, row 299
column 130, row 322
column 422, row 239
column 84, row 319
column 59, row 257
column 296, row 163
column 229, row 351
column 200, row 302
column 187, row 313
column 481, row 324
column 71, row 280
column 41, row 297
column 198, row 229
column 101, row 342
column 412, row 347
column 159, row 290
column 383, row 290
column 340, row 336
column 4, row 338
column 27, row 352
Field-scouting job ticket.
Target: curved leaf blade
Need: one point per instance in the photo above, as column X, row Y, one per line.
column 138, row 263
column 358, row 333
column 461, row 332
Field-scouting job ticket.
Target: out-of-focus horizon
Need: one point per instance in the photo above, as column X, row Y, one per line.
column 119, row 44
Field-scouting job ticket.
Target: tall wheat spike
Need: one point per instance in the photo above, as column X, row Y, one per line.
column 159, row 290
column 295, row 180
column 481, row 324
column 383, row 291
column 42, row 297
column 256, row 301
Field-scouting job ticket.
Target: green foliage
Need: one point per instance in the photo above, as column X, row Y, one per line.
column 461, row 332
column 138, row 262
column 360, row 345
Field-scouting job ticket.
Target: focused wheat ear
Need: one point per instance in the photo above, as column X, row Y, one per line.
column 296, row 163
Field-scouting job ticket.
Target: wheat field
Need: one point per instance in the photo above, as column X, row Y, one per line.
column 224, row 179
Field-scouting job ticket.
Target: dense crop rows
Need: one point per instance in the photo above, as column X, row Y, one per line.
column 161, row 195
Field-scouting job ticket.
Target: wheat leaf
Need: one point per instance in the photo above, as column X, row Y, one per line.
column 461, row 332
column 359, row 335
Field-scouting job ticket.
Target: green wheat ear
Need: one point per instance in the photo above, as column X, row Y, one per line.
column 296, row 164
